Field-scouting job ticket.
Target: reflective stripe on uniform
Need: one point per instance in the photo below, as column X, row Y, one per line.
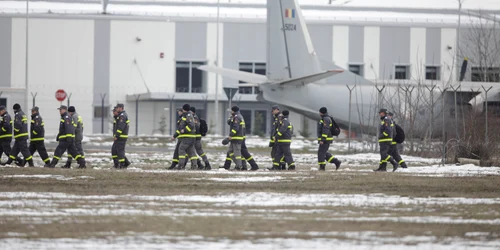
column 284, row 140
column 37, row 139
column 20, row 135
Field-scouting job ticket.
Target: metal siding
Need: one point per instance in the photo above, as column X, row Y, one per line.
column 356, row 39
column 322, row 38
column 5, row 51
column 190, row 41
column 102, row 33
column 394, row 49
column 243, row 43
column 432, row 49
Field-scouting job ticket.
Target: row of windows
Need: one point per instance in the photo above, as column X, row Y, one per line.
column 189, row 79
column 401, row 72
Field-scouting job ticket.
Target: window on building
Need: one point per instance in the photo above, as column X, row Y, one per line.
column 3, row 101
column 188, row 78
column 402, row 72
column 485, row 74
column 252, row 67
column 247, row 115
column 98, row 111
column 356, row 69
column 432, row 73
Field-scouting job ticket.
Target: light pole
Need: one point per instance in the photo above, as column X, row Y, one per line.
column 26, row 97
column 217, row 75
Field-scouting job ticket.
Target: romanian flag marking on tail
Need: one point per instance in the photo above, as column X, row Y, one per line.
column 290, row 13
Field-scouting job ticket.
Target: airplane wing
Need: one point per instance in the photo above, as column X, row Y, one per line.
column 235, row 74
column 310, row 78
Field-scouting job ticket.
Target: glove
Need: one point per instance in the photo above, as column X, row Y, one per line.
column 271, row 144
column 225, row 141
column 57, row 137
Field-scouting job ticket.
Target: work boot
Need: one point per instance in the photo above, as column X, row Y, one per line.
column 291, row 167
column 254, row 165
column 337, row 163
column 172, row 167
column 30, row 163
column 243, row 166
column 403, row 165
column 54, row 163
column 394, row 165
column 322, row 167
column 127, row 162
column 199, row 164
column 274, row 168
column 381, row 168
column 237, row 168
column 20, row 162
column 283, row 165
column 47, row 165
column 83, row 164
column 68, row 164
column 207, row 166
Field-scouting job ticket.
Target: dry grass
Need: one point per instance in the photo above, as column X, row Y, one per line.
column 271, row 223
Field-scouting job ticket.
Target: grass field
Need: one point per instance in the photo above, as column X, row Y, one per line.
column 57, row 208
column 426, row 206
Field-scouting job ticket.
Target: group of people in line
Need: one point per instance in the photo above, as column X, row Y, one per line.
column 189, row 132
column 70, row 137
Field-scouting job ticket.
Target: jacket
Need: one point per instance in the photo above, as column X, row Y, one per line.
column 66, row 128
column 323, row 130
column 185, row 126
column 197, row 126
column 274, row 126
column 78, row 123
column 37, row 128
column 122, row 126
column 237, row 127
column 284, row 131
column 6, row 124
column 20, row 125
column 385, row 131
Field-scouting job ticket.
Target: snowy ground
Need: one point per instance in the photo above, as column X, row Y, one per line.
column 47, row 205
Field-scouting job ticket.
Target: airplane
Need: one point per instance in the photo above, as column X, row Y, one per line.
column 297, row 79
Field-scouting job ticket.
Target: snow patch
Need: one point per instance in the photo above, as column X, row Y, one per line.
column 48, row 176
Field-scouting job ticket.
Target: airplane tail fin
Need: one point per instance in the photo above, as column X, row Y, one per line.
column 290, row 52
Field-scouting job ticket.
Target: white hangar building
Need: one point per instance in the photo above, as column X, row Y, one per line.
column 146, row 52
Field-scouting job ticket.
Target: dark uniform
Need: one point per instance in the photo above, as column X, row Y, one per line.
column 5, row 133
column 385, row 141
column 272, row 143
column 237, row 134
column 78, row 123
column 37, row 142
column 393, row 151
column 245, row 155
column 283, row 140
column 121, row 135
column 186, row 134
column 325, row 138
column 66, row 138
column 175, row 158
column 197, row 144
column 114, row 153
column 20, row 138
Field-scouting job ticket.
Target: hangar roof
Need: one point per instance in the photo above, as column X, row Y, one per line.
column 392, row 11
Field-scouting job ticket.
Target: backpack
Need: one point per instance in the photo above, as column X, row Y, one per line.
column 203, row 127
column 334, row 129
column 400, row 134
